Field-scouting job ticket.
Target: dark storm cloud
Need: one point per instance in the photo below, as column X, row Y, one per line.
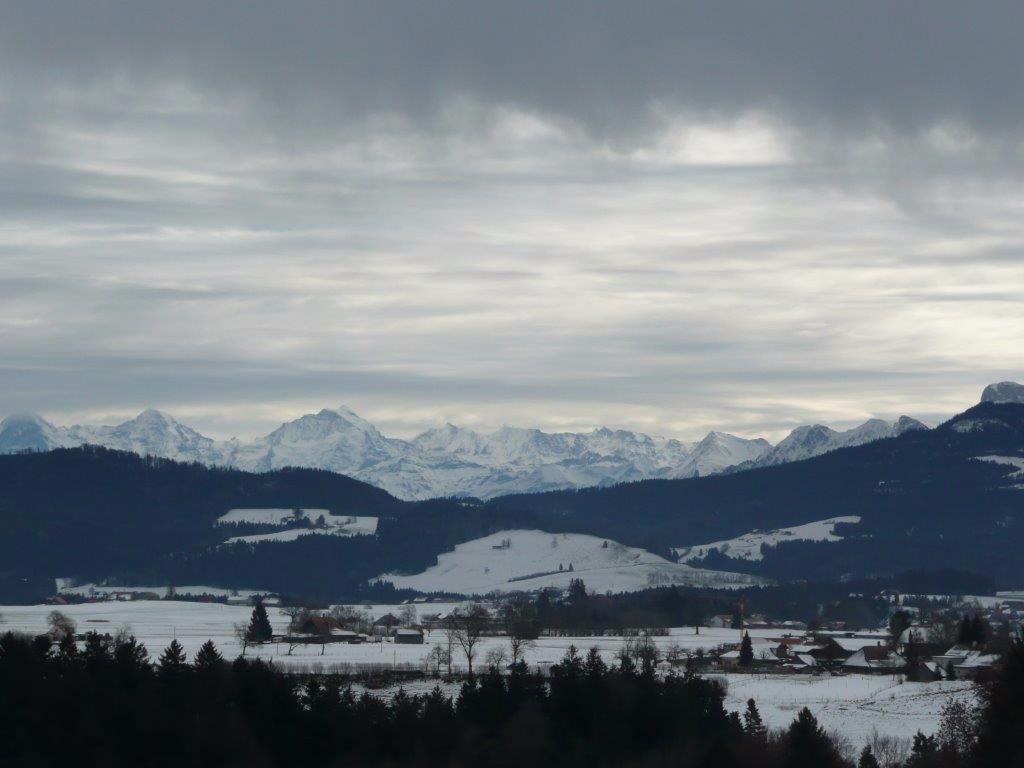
column 664, row 216
column 900, row 66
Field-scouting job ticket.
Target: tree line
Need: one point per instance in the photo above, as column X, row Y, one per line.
column 107, row 703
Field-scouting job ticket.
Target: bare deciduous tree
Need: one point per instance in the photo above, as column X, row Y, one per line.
column 521, row 625
column 889, row 751
column 297, row 616
column 351, row 619
column 241, row 633
column 60, row 625
column 496, row 658
column 518, row 646
column 470, row 624
column 439, row 655
column 450, row 625
column 407, row 615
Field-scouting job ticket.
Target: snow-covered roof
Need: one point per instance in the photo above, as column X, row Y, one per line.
column 978, row 659
column 854, row 644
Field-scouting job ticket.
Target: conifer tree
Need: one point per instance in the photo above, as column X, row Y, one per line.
column 172, row 660
column 208, row 656
column 999, row 741
column 753, row 725
column 260, row 630
column 737, row 618
column 807, row 744
column 867, row 758
column 746, row 651
column 131, row 655
column 964, row 634
column 67, row 650
column 922, row 754
column 979, row 632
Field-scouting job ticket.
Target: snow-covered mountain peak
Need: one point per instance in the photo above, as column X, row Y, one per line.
column 719, row 450
column 907, row 424
column 448, row 438
column 29, row 431
column 448, row 460
column 1003, row 392
column 816, row 439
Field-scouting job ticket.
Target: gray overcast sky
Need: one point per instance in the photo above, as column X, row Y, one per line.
column 662, row 216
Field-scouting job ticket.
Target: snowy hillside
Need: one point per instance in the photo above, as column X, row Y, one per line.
column 298, row 522
column 522, row 560
column 1016, row 462
column 748, row 546
column 449, row 460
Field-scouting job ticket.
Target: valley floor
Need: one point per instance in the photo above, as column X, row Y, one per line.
column 855, row 705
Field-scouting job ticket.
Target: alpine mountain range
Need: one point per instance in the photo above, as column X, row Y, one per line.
column 449, row 460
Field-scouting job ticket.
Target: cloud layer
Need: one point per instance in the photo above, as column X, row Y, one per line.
column 740, row 216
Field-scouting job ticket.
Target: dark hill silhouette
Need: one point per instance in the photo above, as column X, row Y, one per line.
column 923, row 501
column 921, row 497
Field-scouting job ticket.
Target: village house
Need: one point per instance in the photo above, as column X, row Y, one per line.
column 325, row 629
column 874, row 659
column 384, row 626
column 975, row 665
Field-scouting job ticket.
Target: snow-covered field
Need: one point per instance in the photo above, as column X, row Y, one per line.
column 855, row 703
column 157, row 622
column 748, row 546
column 528, row 560
column 333, row 525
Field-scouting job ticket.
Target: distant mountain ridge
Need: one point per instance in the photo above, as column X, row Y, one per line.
column 814, row 440
column 947, row 498
column 449, row 460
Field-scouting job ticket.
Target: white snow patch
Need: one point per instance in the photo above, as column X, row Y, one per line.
column 527, row 560
column 1012, row 461
column 854, row 705
column 748, row 546
column 333, row 525
column 68, row 587
column 271, row 516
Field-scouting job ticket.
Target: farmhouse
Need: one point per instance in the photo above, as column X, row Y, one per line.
column 325, row 629
column 874, row 659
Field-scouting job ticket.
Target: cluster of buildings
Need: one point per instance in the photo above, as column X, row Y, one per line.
column 866, row 652
column 319, row 630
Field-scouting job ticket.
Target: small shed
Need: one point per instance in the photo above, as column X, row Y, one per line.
column 408, row 637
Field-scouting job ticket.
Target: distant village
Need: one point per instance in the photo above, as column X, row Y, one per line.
column 925, row 638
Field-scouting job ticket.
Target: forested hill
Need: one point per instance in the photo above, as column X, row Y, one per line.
column 75, row 510
column 923, row 497
column 95, row 513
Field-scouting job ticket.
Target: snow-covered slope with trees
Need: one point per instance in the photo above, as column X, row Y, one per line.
column 750, row 546
column 814, row 440
column 527, row 560
column 1003, row 392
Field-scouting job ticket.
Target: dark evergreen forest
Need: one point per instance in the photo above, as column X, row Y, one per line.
column 109, row 704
